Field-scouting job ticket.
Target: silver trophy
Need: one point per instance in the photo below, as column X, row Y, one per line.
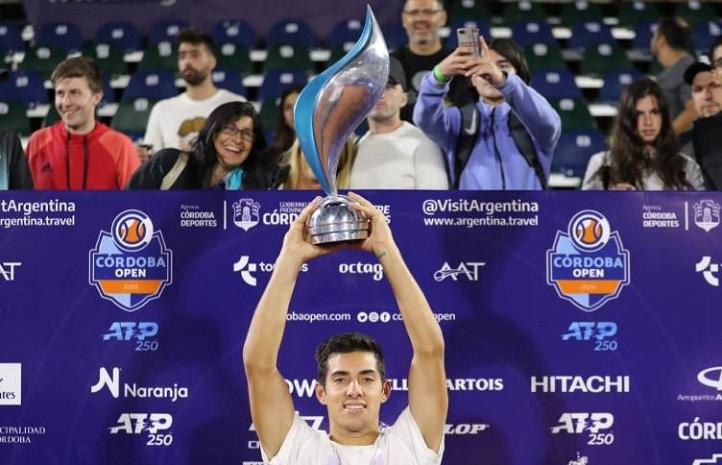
column 327, row 111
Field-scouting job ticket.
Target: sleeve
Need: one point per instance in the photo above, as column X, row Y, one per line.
column 408, row 431
column 538, row 116
column 439, row 122
column 153, row 132
column 150, row 174
column 429, row 166
column 693, row 173
column 127, row 161
column 299, row 435
column 591, row 180
column 20, row 177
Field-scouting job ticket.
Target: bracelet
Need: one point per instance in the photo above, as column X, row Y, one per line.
column 439, row 76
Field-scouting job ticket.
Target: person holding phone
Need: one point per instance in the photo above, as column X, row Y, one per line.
column 518, row 129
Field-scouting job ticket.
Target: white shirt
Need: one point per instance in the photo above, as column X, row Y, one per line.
column 402, row 159
column 175, row 122
column 400, row 444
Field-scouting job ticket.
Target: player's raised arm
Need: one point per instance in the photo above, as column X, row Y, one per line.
column 428, row 398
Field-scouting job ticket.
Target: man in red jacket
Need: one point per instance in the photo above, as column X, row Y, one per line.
column 79, row 152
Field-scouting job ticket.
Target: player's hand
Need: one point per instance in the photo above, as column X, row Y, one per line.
column 296, row 243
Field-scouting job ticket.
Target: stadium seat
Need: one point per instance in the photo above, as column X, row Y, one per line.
column 484, row 31
column 345, row 32
column 275, row 81
column 234, row 57
column 289, row 57
column 339, row 51
column 120, row 34
column 603, row 58
column 523, row 10
column 24, row 86
column 109, row 58
column 555, row 84
column 150, row 84
column 633, row 13
column 292, row 32
column 614, row 84
column 166, row 31
column 269, row 113
column 532, row 32
column 14, row 119
column 11, row 39
column 229, row 80
column 695, row 12
column 574, row 114
column 132, row 117
column 574, row 150
column 579, row 10
column 543, row 56
column 42, row 60
column 463, row 10
column 585, row 34
column 704, row 33
column 234, row 31
column 643, row 32
column 63, row 36
column 160, row 55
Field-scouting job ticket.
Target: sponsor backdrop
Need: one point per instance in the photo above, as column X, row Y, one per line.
column 581, row 328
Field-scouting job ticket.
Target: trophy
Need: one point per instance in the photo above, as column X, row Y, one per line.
column 327, row 111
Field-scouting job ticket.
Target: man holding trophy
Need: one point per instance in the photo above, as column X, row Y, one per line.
column 352, row 381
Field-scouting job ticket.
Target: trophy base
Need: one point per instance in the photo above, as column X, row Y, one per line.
column 336, row 221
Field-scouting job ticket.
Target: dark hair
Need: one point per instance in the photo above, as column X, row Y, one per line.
column 284, row 136
column 204, row 152
column 514, row 54
column 79, row 67
column 629, row 162
column 675, row 33
column 346, row 343
column 195, row 36
column 716, row 43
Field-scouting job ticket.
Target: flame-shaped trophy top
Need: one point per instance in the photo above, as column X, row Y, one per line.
column 335, row 102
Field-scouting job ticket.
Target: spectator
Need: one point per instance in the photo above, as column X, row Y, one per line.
column 645, row 153
column 707, row 95
column 79, row 152
column 715, row 57
column 670, row 44
column 14, row 171
column 300, row 175
column 175, row 122
column 285, row 132
column 422, row 20
column 394, row 154
column 519, row 129
column 224, row 156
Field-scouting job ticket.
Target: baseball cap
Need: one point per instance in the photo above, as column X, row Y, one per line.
column 695, row 68
column 396, row 72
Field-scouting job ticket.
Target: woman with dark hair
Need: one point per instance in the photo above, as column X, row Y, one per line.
column 285, row 132
column 645, row 151
column 226, row 155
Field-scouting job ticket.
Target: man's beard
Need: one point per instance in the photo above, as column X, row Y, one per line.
column 193, row 78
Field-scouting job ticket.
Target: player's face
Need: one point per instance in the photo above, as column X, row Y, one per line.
column 234, row 141
column 353, row 393
column 649, row 119
column 76, row 103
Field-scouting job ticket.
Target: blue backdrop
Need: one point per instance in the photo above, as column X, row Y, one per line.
column 581, row 328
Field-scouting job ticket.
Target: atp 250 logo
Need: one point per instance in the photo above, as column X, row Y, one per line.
column 131, row 265
column 588, row 264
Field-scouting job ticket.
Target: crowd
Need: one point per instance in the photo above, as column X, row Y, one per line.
column 447, row 119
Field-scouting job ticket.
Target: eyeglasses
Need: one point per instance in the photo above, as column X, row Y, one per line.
column 233, row 131
column 417, row 13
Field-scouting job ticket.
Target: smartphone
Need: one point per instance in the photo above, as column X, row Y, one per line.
column 469, row 37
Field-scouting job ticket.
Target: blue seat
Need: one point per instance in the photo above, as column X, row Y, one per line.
column 574, row 151
column 452, row 41
column 24, row 86
column 585, row 34
column 275, row 81
column 11, row 39
column 344, row 33
column 120, row 34
column 150, row 84
column 704, row 33
column 166, row 31
column 532, row 32
column 63, row 36
column 234, row 31
column 229, row 80
column 396, row 37
column 643, row 33
column 293, row 32
column 555, row 84
column 614, row 84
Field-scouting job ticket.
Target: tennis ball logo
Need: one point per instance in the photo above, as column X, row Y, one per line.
column 589, row 230
column 132, row 230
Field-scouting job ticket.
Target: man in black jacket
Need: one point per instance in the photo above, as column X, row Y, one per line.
column 707, row 97
column 14, row 171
